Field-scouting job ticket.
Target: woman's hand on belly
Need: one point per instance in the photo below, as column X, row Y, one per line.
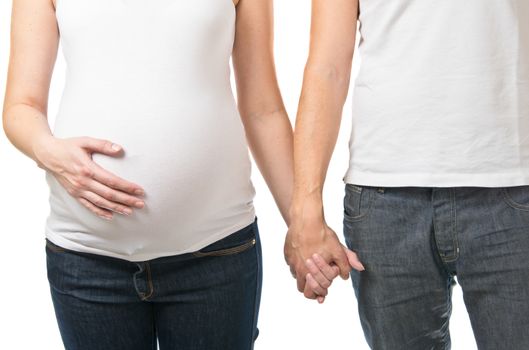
column 100, row 191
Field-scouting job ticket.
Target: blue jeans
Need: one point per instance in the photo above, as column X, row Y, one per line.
column 413, row 241
column 205, row 300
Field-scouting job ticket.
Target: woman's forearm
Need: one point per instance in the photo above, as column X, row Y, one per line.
column 34, row 45
column 26, row 127
column 271, row 143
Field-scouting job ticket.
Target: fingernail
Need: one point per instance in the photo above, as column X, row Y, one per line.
column 127, row 211
column 139, row 192
column 116, row 147
column 139, row 204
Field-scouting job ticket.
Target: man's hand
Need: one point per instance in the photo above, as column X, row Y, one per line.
column 304, row 239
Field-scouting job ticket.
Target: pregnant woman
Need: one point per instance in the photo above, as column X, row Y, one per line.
column 152, row 235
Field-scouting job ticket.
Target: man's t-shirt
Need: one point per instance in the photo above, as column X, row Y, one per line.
column 442, row 97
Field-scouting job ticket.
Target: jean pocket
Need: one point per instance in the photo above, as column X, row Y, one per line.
column 235, row 243
column 517, row 197
column 358, row 201
column 54, row 247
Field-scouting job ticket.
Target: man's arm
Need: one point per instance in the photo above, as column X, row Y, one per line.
column 268, row 129
column 325, row 88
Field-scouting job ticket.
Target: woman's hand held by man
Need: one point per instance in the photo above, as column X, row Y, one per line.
column 321, row 274
column 306, row 237
column 100, row 191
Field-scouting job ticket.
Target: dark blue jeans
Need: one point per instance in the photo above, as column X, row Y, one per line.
column 413, row 241
column 205, row 300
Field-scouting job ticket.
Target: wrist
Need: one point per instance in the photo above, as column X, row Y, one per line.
column 41, row 149
column 307, row 209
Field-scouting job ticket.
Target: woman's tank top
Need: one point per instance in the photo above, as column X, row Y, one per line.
column 154, row 77
column 442, row 96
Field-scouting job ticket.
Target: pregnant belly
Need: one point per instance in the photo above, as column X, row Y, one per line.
column 194, row 187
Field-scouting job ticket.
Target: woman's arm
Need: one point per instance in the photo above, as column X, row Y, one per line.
column 267, row 126
column 34, row 44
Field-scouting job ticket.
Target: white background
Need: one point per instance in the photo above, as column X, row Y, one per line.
column 287, row 320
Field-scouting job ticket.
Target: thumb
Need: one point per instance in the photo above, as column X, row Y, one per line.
column 100, row 146
column 342, row 262
column 353, row 260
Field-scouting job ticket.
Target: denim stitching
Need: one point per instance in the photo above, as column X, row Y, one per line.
column 360, row 216
column 511, row 202
column 228, row 251
column 143, row 267
column 149, row 281
column 455, row 242
column 444, row 258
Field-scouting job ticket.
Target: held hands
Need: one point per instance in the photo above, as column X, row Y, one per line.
column 316, row 257
column 321, row 274
column 70, row 162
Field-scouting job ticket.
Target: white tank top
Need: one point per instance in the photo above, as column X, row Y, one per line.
column 154, row 77
column 442, row 96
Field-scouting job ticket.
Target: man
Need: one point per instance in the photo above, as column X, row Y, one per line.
column 438, row 180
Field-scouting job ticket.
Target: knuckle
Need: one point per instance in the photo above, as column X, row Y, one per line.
column 109, row 194
column 72, row 191
column 81, row 182
column 111, row 183
column 86, row 171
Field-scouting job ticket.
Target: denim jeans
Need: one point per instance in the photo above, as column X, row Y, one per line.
column 205, row 300
column 414, row 243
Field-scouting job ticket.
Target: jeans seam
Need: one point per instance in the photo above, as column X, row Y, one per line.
column 154, row 343
column 449, row 309
column 254, row 323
